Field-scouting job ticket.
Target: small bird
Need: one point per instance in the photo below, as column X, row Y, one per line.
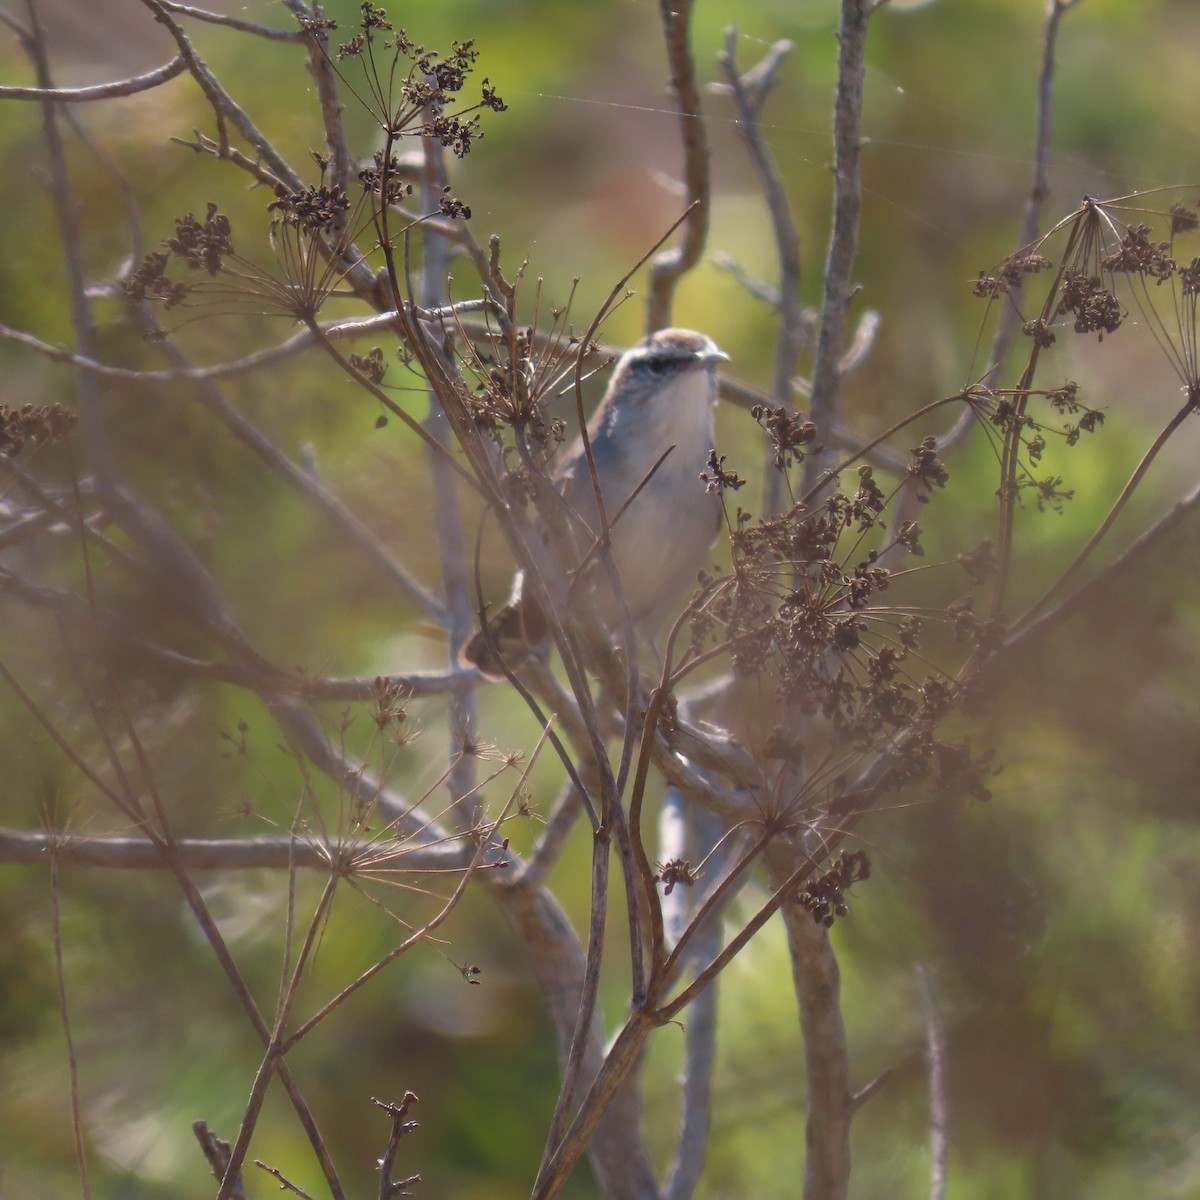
column 660, row 398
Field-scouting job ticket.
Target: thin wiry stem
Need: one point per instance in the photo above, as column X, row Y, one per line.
column 1037, row 627
column 486, row 846
column 273, row 1055
column 1118, row 505
column 64, row 1012
column 1039, row 193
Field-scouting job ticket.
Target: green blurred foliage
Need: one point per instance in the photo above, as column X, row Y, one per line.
column 1059, row 923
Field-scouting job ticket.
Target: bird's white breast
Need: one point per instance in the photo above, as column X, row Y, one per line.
column 661, row 541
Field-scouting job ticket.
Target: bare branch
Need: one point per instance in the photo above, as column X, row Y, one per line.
column 843, row 237
column 100, row 91
column 214, row 18
column 458, row 611
column 700, row 1035
column 671, row 265
column 311, row 487
column 545, row 931
column 935, row 1050
column 332, row 109
column 112, row 852
column 815, row 978
column 302, row 340
column 749, row 94
column 216, row 1152
column 223, row 106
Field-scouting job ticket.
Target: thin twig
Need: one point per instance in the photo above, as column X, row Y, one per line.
column 302, row 340
column 225, row 110
column 1039, row 193
column 1118, row 506
column 340, row 517
column 328, row 91
column 64, row 1014
column 388, row 1186
column 273, row 1054
column 285, row 1184
column 1033, row 630
column 486, row 846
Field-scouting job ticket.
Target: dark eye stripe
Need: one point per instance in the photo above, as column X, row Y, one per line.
column 665, row 361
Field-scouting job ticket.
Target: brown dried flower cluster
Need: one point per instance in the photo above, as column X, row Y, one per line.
column 414, row 92
column 809, row 619
column 1107, row 255
column 825, row 896
column 33, row 425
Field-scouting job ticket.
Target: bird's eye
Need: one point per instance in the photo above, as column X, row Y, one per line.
column 658, row 363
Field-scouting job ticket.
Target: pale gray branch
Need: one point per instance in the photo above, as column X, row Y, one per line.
column 214, row 18
column 669, row 266
column 545, row 931
column 843, row 237
column 817, row 983
column 100, row 91
column 935, row 1051
column 29, row 848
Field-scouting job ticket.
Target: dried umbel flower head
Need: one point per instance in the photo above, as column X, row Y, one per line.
column 413, row 92
column 831, row 663
column 33, row 425
column 309, row 247
column 825, row 896
column 410, row 90
column 789, row 433
column 1118, row 253
column 520, row 371
column 312, row 232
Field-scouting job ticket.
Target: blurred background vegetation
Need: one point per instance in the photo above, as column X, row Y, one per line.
column 1059, row 923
